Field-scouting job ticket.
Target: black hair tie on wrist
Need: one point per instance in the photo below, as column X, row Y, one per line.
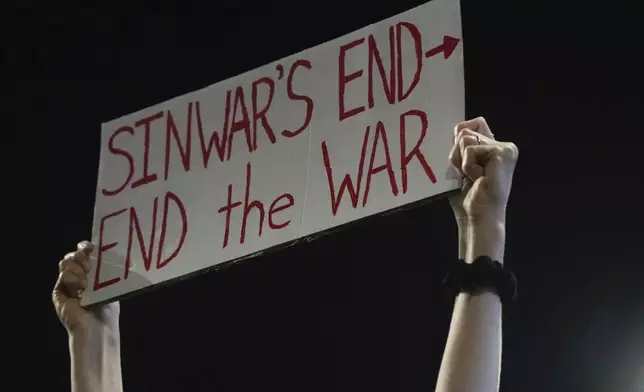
column 483, row 274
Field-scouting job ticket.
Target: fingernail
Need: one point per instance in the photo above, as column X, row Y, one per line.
column 79, row 294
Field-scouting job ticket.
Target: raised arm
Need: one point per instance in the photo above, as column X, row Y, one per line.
column 94, row 340
column 472, row 357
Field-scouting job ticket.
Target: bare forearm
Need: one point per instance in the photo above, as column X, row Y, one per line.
column 472, row 357
column 96, row 362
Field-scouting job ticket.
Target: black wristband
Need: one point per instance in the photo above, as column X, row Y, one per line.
column 483, row 274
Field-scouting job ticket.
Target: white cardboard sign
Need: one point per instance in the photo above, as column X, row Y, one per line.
column 350, row 128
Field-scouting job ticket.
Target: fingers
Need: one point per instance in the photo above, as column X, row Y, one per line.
column 478, row 125
column 73, row 271
column 474, row 144
column 474, row 137
column 72, row 284
column 465, row 138
column 476, row 157
column 456, row 154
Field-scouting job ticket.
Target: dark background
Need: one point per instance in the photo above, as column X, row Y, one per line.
column 360, row 309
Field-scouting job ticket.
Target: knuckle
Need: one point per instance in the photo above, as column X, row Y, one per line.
column 483, row 125
column 461, row 143
column 458, row 135
column 482, row 122
column 64, row 264
column 510, row 151
column 84, row 248
column 467, row 140
column 460, row 126
column 464, row 132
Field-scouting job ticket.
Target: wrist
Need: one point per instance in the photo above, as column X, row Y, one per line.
column 462, row 226
column 486, row 238
column 94, row 338
column 487, row 217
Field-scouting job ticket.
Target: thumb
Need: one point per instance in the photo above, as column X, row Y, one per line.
column 475, row 158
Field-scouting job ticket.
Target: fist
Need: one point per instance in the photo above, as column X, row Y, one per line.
column 487, row 167
column 69, row 289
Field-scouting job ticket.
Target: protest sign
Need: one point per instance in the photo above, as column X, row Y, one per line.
column 351, row 128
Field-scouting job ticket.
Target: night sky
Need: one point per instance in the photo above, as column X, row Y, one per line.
column 362, row 308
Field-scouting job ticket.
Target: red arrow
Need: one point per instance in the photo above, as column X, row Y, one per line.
column 447, row 47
